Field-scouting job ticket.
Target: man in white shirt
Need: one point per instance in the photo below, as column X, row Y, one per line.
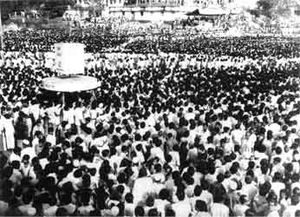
column 182, row 208
column 241, row 208
column 27, row 209
column 249, row 189
column 218, row 209
column 15, row 155
column 28, row 150
column 291, row 209
column 158, row 152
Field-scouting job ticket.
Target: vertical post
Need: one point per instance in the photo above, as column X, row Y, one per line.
column 1, row 32
column 63, row 99
column 62, row 107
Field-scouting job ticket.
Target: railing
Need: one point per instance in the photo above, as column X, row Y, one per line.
column 155, row 4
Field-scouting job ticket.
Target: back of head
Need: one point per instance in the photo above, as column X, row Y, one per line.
column 129, row 198
column 197, row 190
column 180, row 195
column 139, row 211
column 295, row 200
column 201, row 206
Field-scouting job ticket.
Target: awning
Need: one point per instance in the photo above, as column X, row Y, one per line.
column 193, row 13
column 210, row 11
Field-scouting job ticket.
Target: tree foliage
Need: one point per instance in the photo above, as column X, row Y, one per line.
column 50, row 8
column 272, row 9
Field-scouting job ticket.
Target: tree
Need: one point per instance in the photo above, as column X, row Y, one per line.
column 94, row 6
column 282, row 8
column 52, row 7
column 265, row 7
column 272, row 9
column 55, row 8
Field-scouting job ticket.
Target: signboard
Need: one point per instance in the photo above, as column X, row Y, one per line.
column 69, row 58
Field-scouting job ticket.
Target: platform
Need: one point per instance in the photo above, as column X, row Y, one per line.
column 74, row 83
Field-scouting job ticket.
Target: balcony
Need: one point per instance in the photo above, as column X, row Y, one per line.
column 141, row 3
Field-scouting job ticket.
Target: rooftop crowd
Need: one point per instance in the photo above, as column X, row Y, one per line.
column 166, row 134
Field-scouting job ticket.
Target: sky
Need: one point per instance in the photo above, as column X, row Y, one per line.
column 246, row 3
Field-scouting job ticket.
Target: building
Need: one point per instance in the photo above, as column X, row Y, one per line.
column 157, row 10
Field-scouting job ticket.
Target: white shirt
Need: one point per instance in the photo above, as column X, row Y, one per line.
column 51, row 211
column 182, row 208
column 240, row 210
column 219, row 210
column 14, row 157
column 291, row 210
column 28, row 151
column 237, row 136
column 158, row 152
column 142, row 187
column 51, row 139
column 277, row 187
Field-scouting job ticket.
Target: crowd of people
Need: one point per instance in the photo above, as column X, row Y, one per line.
column 166, row 134
column 250, row 46
column 43, row 40
column 153, row 39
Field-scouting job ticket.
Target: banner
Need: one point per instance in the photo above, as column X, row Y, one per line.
column 69, row 58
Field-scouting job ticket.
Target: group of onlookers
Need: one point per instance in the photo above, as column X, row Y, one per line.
column 198, row 127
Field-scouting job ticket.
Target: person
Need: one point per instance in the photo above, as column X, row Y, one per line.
column 291, row 209
column 201, row 209
column 190, row 111
column 27, row 208
column 241, row 208
column 218, row 208
column 142, row 186
column 7, row 131
column 260, row 201
column 182, row 207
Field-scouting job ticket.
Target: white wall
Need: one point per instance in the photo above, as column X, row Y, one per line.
column 147, row 14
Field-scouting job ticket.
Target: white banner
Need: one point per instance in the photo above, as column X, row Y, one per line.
column 69, row 58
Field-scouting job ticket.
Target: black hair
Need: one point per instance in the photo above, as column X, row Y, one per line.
column 150, row 201
column 170, row 212
column 61, row 212
column 197, row 190
column 180, row 194
column 164, row 194
column 129, row 198
column 139, row 211
column 153, row 212
column 201, row 206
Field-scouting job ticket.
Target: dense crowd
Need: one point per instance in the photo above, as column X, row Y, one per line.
column 166, row 134
column 249, row 46
column 97, row 40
